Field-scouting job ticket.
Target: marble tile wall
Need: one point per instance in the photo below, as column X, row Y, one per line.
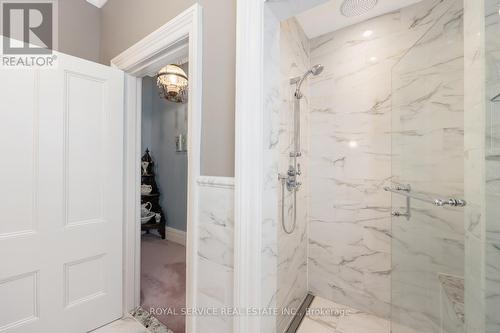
column 492, row 117
column 474, row 163
column 482, row 277
column 292, row 248
column 215, row 252
column 270, row 206
column 349, row 259
column 428, row 153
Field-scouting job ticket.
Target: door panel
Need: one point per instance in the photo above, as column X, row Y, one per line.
column 17, row 176
column 85, row 118
column 61, row 140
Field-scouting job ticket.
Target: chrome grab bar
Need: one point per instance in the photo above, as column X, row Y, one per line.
column 406, row 192
column 450, row 202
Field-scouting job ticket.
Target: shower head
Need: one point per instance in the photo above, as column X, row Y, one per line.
column 314, row 70
column 350, row 8
column 317, row 69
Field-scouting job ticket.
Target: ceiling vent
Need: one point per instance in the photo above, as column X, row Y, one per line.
column 351, row 8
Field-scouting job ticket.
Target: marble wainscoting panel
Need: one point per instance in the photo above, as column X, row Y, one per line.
column 213, row 322
column 216, row 226
column 292, row 248
column 215, row 252
column 349, row 259
column 428, row 153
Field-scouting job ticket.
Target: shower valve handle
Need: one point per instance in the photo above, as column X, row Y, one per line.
column 292, row 172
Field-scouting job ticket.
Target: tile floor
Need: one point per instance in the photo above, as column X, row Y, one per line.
column 325, row 316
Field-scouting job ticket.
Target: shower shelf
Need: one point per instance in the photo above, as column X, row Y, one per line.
column 406, row 192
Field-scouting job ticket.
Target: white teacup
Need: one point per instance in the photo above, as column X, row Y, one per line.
column 146, row 189
column 146, row 209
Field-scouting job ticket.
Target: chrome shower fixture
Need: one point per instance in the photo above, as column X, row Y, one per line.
column 314, row 70
column 351, row 8
column 290, row 179
column 317, row 69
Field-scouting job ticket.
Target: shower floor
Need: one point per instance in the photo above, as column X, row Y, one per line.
column 325, row 316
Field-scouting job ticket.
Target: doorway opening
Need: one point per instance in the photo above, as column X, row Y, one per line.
column 163, row 192
column 177, row 42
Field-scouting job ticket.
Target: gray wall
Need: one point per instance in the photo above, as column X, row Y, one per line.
column 125, row 22
column 79, row 29
column 162, row 122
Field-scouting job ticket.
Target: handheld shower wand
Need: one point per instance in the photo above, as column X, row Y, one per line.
column 290, row 179
column 314, row 70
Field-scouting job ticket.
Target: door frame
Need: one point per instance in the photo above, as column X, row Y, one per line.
column 181, row 35
column 249, row 156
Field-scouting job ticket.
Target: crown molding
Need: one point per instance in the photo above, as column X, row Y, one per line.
column 97, row 3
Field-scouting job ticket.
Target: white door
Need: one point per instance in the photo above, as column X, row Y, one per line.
column 61, row 158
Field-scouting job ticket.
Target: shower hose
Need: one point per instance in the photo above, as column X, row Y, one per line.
column 283, row 223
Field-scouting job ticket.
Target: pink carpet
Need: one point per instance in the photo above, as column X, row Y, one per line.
column 163, row 280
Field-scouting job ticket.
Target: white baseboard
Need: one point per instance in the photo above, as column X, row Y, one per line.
column 176, row 236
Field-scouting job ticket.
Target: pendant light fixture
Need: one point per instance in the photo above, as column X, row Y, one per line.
column 173, row 83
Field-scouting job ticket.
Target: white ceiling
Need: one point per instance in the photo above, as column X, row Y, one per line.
column 327, row 17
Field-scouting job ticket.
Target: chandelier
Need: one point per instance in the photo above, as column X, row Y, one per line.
column 173, row 83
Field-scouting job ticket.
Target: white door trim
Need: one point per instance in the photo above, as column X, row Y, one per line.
column 146, row 57
column 249, row 136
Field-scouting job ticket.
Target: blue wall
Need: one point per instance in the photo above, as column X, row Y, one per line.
column 162, row 121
